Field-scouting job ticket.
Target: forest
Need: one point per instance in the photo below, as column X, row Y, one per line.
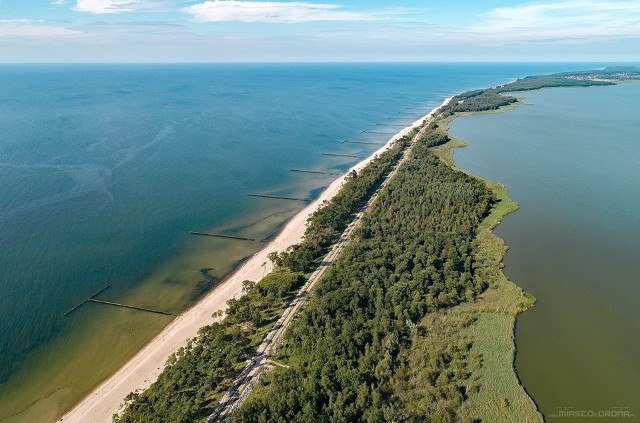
column 551, row 81
column 196, row 376
column 478, row 101
column 357, row 352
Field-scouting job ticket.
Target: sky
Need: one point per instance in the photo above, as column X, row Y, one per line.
column 318, row 30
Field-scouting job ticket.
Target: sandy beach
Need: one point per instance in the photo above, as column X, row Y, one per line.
column 143, row 369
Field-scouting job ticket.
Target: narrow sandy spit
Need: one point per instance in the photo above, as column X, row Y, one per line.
column 143, row 369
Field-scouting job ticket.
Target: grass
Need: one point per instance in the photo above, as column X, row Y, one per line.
column 494, row 393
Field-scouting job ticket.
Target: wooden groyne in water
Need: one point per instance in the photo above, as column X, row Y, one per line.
column 277, row 197
column 150, row 310
column 93, row 300
column 343, row 155
column 378, row 133
column 72, row 309
column 316, row 172
column 221, row 236
column 362, row 142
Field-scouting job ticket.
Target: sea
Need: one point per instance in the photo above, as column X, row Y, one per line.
column 105, row 169
column 571, row 158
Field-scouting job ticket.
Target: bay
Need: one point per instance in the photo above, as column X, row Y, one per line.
column 571, row 158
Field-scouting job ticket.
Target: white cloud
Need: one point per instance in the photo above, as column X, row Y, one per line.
column 572, row 20
column 34, row 29
column 121, row 6
column 15, row 21
column 58, row 2
column 271, row 12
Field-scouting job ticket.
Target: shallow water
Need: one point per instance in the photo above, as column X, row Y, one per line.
column 104, row 170
column 571, row 158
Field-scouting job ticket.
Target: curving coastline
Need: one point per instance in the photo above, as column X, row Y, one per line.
column 481, row 326
column 504, row 300
column 495, row 311
column 547, row 336
column 142, row 370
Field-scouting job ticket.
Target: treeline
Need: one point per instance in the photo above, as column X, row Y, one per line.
column 608, row 72
column 196, row 376
column 478, row 101
column 494, row 98
column 550, row 81
column 359, row 350
column 433, row 134
column 326, row 224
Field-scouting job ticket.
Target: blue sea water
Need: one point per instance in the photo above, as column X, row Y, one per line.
column 104, row 170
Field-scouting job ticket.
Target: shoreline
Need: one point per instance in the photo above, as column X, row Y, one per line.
column 510, row 206
column 590, row 389
column 145, row 366
column 504, row 300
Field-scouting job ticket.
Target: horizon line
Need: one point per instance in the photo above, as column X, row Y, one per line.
column 312, row 62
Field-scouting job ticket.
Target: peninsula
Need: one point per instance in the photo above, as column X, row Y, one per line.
column 412, row 320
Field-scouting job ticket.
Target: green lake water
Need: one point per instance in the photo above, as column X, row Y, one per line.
column 571, row 158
